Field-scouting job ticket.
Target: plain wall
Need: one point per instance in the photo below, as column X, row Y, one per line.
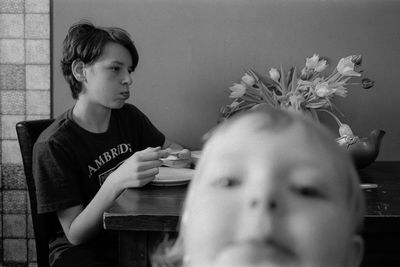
column 191, row 51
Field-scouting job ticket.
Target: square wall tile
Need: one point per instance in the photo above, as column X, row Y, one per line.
column 13, row 177
column 14, row 225
column 37, row 26
column 12, row 6
column 10, row 152
column 37, row 6
column 32, row 250
column 37, row 117
column 38, row 102
column 12, row 26
column 37, row 76
column 14, row 202
column 12, row 77
column 8, row 123
column 28, row 207
column 30, row 233
column 15, row 250
column 12, row 51
column 38, row 51
column 12, row 102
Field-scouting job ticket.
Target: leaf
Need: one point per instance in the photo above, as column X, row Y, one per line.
column 250, row 99
column 314, row 114
column 264, row 79
column 268, row 96
column 289, row 76
column 293, row 79
column 282, row 82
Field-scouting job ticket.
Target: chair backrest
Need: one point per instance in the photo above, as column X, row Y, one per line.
column 43, row 224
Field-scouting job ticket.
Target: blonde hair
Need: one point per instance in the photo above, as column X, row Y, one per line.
column 172, row 254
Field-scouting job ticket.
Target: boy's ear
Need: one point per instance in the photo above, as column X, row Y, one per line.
column 78, row 70
column 357, row 251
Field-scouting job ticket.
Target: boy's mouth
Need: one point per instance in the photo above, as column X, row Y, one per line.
column 125, row 95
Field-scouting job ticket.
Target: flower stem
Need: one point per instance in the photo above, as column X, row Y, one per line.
column 333, row 115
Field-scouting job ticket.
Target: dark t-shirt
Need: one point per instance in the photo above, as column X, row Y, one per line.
column 70, row 164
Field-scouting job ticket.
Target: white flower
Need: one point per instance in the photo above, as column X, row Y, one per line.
column 345, row 130
column 323, row 90
column 321, row 66
column 237, row 90
column 234, row 104
column 274, row 74
column 311, row 62
column 339, row 89
column 346, row 67
column 248, row 80
column 314, row 63
column 308, row 90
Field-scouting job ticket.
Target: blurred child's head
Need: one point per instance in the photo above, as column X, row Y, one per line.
column 85, row 42
column 273, row 189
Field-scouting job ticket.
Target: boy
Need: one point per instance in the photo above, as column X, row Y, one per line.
column 272, row 188
column 96, row 149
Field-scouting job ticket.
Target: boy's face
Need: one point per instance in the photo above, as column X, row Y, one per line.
column 269, row 199
column 109, row 77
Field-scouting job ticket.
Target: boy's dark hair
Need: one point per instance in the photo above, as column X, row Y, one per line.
column 85, row 42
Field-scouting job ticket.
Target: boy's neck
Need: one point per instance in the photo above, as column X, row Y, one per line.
column 92, row 118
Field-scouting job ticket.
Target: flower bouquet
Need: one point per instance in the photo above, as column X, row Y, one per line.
column 307, row 91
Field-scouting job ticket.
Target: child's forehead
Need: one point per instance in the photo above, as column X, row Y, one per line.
column 292, row 142
column 252, row 129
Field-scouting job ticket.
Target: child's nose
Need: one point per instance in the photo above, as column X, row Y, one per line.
column 271, row 205
column 262, row 216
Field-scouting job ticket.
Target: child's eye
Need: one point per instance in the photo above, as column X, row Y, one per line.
column 227, row 182
column 308, row 191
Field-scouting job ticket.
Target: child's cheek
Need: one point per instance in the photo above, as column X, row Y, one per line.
column 312, row 230
column 209, row 227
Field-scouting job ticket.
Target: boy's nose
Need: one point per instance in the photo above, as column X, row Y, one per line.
column 127, row 79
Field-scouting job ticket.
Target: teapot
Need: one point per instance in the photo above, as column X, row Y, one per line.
column 364, row 150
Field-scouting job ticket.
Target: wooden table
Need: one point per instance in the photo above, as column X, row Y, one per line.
column 143, row 216
column 382, row 219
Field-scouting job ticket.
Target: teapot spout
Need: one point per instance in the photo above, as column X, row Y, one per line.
column 366, row 149
column 376, row 136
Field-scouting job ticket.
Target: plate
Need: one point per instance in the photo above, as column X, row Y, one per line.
column 195, row 156
column 173, row 176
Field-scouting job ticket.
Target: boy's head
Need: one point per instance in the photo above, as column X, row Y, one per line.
column 85, row 42
column 273, row 189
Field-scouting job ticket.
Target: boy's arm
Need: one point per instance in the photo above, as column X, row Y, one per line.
column 81, row 224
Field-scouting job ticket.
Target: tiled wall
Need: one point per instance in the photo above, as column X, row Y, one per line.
column 24, row 94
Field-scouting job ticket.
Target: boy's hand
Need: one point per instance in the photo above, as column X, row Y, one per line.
column 139, row 169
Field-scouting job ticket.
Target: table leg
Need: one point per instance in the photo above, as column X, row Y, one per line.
column 132, row 249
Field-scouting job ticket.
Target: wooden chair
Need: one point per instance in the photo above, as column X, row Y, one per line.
column 43, row 224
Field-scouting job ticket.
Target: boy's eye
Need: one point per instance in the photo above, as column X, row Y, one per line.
column 115, row 68
column 227, row 182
